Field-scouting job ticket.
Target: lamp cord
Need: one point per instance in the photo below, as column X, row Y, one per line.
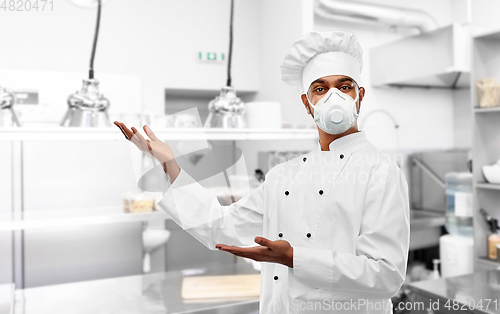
column 230, row 45
column 96, row 35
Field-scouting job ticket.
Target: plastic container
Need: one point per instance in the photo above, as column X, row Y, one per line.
column 457, row 255
column 459, row 204
column 489, row 93
column 140, row 202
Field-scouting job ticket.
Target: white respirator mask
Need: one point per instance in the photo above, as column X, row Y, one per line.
column 335, row 112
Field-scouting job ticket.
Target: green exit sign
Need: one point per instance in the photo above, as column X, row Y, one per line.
column 211, row 56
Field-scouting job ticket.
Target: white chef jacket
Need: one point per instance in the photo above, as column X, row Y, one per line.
column 345, row 212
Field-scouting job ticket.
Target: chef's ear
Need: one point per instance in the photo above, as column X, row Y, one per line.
column 361, row 96
column 361, row 93
column 306, row 103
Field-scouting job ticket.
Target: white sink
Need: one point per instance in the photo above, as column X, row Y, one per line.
column 151, row 240
column 154, row 238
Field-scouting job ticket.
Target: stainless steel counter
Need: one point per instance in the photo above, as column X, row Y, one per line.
column 477, row 293
column 152, row 293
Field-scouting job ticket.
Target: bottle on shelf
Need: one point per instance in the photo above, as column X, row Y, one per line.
column 494, row 237
column 459, row 204
column 435, row 272
column 493, row 243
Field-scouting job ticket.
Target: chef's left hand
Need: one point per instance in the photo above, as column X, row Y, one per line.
column 279, row 251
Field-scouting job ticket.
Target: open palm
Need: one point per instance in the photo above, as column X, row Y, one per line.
column 153, row 146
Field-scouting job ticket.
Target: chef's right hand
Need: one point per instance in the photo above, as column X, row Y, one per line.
column 153, row 146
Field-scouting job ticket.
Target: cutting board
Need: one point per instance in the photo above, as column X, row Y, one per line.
column 228, row 286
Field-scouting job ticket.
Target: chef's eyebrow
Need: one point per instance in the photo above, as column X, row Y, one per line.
column 340, row 80
column 319, row 81
column 345, row 79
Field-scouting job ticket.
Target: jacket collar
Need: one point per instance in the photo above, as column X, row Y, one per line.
column 345, row 143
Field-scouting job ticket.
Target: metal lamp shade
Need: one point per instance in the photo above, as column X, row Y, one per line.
column 8, row 117
column 87, row 107
column 226, row 111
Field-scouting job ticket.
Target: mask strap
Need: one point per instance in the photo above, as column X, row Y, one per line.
column 309, row 104
column 355, row 100
column 357, row 96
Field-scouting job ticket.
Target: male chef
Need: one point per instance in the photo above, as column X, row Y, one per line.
column 331, row 226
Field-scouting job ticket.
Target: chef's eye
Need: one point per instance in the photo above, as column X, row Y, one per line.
column 319, row 90
column 345, row 88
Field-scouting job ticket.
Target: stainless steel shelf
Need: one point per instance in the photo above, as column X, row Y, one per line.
column 203, row 92
column 50, row 219
column 75, row 134
column 490, row 34
column 487, row 263
column 490, row 186
column 485, row 130
column 485, row 110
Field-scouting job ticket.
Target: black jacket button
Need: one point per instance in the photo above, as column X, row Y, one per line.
column 304, row 159
column 286, row 192
column 341, row 156
column 280, row 235
column 308, row 235
column 275, row 277
column 320, row 192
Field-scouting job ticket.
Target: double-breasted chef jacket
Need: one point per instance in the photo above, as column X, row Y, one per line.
column 344, row 211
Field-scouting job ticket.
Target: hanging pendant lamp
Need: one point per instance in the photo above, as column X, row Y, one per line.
column 227, row 110
column 8, row 116
column 88, row 107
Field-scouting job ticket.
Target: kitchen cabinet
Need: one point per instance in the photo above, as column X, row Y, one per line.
column 184, row 251
column 486, row 136
column 63, row 195
column 56, row 186
column 438, row 58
